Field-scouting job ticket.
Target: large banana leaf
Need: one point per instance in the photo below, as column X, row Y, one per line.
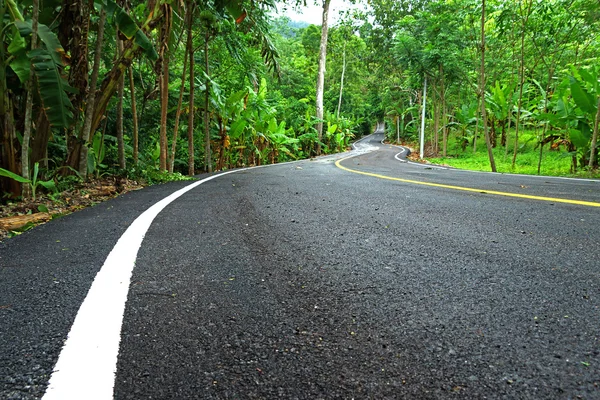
column 129, row 28
column 579, row 137
column 53, row 88
column 583, row 99
column 19, row 62
column 55, row 49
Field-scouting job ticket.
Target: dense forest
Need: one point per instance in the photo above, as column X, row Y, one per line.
column 157, row 89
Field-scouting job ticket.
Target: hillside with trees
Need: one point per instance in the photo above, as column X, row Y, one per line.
column 153, row 90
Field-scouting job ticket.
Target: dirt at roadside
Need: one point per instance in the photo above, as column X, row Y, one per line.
column 19, row 216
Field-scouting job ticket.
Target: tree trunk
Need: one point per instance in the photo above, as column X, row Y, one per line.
column 521, row 81
column 477, row 115
column 436, row 121
column 119, row 120
column 111, row 80
column 73, row 33
column 592, row 162
column 8, row 151
column 342, row 81
column 482, row 91
column 548, row 83
column 178, row 111
column 7, row 124
column 135, row 119
column 321, row 74
column 165, row 34
column 91, row 98
column 444, row 112
column 26, row 189
column 39, row 144
column 192, row 106
column 422, row 136
column 207, row 152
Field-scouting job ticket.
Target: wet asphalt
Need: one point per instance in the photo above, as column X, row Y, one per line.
column 306, row 281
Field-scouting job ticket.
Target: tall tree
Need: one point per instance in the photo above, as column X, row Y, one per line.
column 119, row 119
column 488, row 142
column 321, row 73
column 192, row 107
column 163, row 71
column 91, row 97
column 135, row 117
column 29, row 104
column 524, row 13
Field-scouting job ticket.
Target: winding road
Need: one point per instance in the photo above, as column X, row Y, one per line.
column 357, row 275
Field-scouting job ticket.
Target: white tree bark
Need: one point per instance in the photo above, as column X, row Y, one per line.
column 342, row 81
column 422, row 137
column 321, row 74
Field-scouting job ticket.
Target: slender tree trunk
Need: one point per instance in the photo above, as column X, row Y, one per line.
column 510, row 105
column 39, row 143
column 119, row 122
column 164, row 108
column 592, row 162
column 110, row 83
column 550, row 73
column 436, row 121
column 178, row 111
column 423, row 111
column 482, row 91
column 342, row 81
column 321, row 73
column 73, row 33
column 26, row 189
column 521, row 80
column 477, row 116
column 443, row 111
column 444, row 122
column 91, row 98
column 192, row 107
column 165, row 33
column 207, row 152
column 135, row 118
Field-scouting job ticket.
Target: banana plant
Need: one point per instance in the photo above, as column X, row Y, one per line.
column 33, row 183
column 47, row 61
column 500, row 101
column 585, row 91
column 465, row 117
column 281, row 144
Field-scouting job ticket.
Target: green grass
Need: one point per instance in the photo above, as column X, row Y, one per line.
column 554, row 162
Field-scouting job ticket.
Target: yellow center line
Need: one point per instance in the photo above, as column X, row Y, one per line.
column 466, row 189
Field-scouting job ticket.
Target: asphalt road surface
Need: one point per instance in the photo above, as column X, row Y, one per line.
column 336, row 278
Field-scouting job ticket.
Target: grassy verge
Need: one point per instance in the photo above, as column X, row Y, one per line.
column 554, row 162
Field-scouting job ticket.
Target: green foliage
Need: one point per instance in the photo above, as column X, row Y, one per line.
column 554, row 162
column 153, row 175
column 262, row 72
column 33, row 183
column 47, row 62
column 127, row 26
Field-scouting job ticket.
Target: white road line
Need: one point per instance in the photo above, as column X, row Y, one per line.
column 397, row 157
column 87, row 364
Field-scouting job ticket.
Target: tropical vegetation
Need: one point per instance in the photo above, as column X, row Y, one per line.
column 147, row 88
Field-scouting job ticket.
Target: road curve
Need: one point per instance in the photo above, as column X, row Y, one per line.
column 306, row 280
